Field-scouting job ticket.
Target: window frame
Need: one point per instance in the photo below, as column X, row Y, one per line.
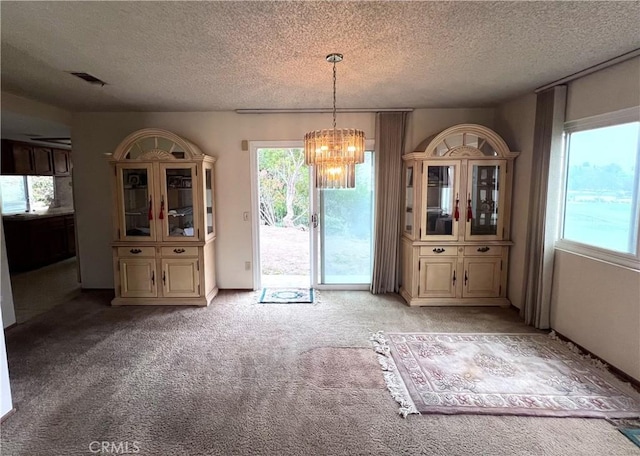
column 629, row 260
column 28, row 194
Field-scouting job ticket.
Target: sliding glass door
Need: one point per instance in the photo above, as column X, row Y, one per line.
column 344, row 231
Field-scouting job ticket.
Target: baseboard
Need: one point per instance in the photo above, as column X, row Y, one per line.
column 614, row 370
column 7, row 415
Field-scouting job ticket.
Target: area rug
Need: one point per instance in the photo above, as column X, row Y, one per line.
column 287, row 296
column 499, row 374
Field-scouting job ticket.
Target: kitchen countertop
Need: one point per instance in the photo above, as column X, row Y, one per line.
column 53, row 212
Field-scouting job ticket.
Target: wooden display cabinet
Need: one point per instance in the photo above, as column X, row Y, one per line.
column 164, row 221
column 455, row 243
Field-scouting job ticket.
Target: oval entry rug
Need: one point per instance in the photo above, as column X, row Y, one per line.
column 287, row 296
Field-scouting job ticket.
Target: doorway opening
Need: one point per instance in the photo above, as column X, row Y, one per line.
column 283, row 211
column 304, row 236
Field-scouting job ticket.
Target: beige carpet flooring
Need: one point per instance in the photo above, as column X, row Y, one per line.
column 239, row 378
column 36, row 292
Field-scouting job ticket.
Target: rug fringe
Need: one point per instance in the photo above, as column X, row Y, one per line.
column 391, row 376
column 595, row 362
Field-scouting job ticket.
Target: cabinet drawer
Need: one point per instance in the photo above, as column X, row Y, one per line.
column 483, row 250
column 438, row 250
column 179, row 251
column 136, row 251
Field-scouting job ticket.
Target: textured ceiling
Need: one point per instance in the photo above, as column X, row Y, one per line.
column 204, row 56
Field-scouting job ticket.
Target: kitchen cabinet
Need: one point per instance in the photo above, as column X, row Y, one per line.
column 35, row 240
column 61, row 162
column 164, row 221
column 26, row 159
column 456, row 219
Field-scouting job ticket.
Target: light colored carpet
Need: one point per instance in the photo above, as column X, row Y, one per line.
column 242, row 379
column 37, row 291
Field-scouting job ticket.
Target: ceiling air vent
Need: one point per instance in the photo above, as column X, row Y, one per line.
column 89, row 78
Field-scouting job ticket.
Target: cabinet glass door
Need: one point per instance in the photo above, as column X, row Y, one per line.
column 408, row 200
column 484, row 211
column 177, row 201
column 137, row 202
column 441, row 201
column 208, row 202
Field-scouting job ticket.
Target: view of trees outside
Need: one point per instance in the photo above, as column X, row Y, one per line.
column 33, row 193
column 284, row 219
column 284, row 212
column 41, row 192
column 602, row 187
column 284, row 187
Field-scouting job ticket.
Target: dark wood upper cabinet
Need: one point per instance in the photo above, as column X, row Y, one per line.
column 43, row 161
column 28, row 159
column 22, row 159
column 61, row 162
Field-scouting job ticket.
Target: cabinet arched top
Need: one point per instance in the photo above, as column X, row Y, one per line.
column 464, row 140
column 156, row 144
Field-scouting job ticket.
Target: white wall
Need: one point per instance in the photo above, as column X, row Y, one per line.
column 515, row 122
column 6, row 295
column 32, row 108
column 7, row 318
column 6, row 403
column 597, row 304
column 218, row 134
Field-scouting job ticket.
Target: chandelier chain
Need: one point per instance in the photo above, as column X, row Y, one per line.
column 334, row 94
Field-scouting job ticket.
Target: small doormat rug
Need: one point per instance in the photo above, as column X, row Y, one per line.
column 499, row 374
column 633, row 435
column 287, row 296
column 629, row 427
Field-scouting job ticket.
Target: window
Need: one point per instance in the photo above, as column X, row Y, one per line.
column 26, row 193
column 601, row 185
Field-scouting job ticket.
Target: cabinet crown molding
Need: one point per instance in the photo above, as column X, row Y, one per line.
column 156, row 144
column 463, row 140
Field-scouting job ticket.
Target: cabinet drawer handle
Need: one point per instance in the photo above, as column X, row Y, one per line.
column 483, row 249
column 438, row 250
column 135, row 251
column 179, row 250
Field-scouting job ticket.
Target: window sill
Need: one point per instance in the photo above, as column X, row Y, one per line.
column 627, row 261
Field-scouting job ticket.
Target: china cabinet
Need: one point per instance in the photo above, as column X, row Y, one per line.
column 164, row 221
column 457, row 198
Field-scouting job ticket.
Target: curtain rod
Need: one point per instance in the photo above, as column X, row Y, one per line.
column 591, row 69
column 318, row 110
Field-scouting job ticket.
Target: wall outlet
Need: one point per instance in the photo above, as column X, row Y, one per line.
column 247, row 265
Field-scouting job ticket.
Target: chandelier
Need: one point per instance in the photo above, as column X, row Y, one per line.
column 334, row 152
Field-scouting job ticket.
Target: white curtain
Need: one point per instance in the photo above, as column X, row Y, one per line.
column 545, row 204
column 390, row 140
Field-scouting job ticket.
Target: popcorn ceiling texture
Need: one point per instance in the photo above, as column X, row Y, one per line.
column 241, row 378
column 207, row 56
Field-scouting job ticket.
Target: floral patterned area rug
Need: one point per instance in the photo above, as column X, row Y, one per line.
column 287, row 296
column 500, row 374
